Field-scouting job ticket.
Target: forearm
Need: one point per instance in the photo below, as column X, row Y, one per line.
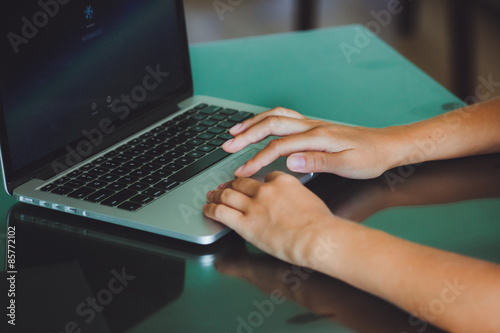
column 471, row 130
column 448, row 290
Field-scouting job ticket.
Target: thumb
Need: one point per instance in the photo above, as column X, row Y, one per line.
column 311, row 162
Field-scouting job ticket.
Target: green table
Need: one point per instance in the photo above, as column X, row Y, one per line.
column 147, row 283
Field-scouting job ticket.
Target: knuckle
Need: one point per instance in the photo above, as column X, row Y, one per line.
column 275, row 144
column 217, row 211
column 224, row 195
column 320, row 131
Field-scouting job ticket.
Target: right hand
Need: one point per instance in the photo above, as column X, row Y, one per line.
column 315, row 145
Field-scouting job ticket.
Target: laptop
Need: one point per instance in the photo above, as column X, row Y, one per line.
column 98, row 117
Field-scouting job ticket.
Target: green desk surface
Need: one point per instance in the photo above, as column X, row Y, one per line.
column 178, row 287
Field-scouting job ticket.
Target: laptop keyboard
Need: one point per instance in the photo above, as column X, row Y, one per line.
column 146, row 168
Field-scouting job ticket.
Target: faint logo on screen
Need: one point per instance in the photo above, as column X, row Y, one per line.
column 89, row 13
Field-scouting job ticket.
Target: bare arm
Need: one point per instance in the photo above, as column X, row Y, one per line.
column 285, row 219
column 357, row 152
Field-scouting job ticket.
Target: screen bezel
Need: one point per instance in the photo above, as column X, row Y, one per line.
column 143, row 117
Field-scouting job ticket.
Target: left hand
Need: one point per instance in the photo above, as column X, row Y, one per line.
column 279, row 216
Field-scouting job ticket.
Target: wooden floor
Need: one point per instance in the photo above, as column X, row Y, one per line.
column 428, row 46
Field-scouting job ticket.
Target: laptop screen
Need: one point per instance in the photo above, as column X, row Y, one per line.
column 73, row 72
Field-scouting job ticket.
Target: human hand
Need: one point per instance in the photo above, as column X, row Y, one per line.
column 279, row 216
column 314, row 145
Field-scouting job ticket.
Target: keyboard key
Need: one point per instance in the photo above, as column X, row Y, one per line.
column 109, row 165
column 227, row 124
column 208, row 123
column 139, row 187
column 211, row 110
column 172, row 154
column 143, row 159
column 161, row 173
column 134, row 142
column 206, row 136
column 121, row 158
column 152, row 167
column 85, row 178
column 150, row 180
column 195, row 154
column 139, row 173
column 173, row 167
column 124, row 147
column 62, row 190
column 201, row 106
column 98, row 171
column 198, row 166
column 188, row 122
column 120, row 171
column 196, row 142
column 241, row 116
column 119, row 197
column 166, row 135
column 192, row 111
column 184, row 160
column 116, row 186
column 199, row 128
column 75, row 174
column 206, row 148
column 217, row 130
column 229, row 112
column 216, row 142
column 62, row 181
column 184, row 148
column 166, row 185
column 132, row 165
column 109, row 178
column 199, row 117
column 154, row 192
column 81, row 193
column 97, row 184
column 146, row 136
column 111, row 154
column 142, row 199
column 225, row 136
column 218, row 117
column 128, row 179
column 74, row 184
column 161, row 148
column 130, row 206
column 99, row 196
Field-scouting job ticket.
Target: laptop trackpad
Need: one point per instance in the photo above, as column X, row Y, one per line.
column 225, row 172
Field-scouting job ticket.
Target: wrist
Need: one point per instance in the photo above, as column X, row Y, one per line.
column 398, row 147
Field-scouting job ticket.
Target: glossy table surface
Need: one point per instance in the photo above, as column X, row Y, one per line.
column 77, row 274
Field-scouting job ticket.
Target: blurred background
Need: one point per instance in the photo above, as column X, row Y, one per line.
column 453, row 41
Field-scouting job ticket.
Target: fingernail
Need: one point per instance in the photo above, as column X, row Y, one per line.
column 204, row 207
column 228, row 143
column 240, row 169
column 296, row 162
column 221, row 186
column 236, row 127
column 209, row 194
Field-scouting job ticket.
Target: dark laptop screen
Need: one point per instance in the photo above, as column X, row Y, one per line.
column 74, row 70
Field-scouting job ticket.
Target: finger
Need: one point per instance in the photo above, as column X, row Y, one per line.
column 283, row 147
column 247, row 186
column 272, row 125
column 230, row 198
column 224, row 214
column 337, row 163
column 279, row 111
column 275, row 175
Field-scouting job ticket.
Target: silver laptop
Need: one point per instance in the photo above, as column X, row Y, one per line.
column 98, row 117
